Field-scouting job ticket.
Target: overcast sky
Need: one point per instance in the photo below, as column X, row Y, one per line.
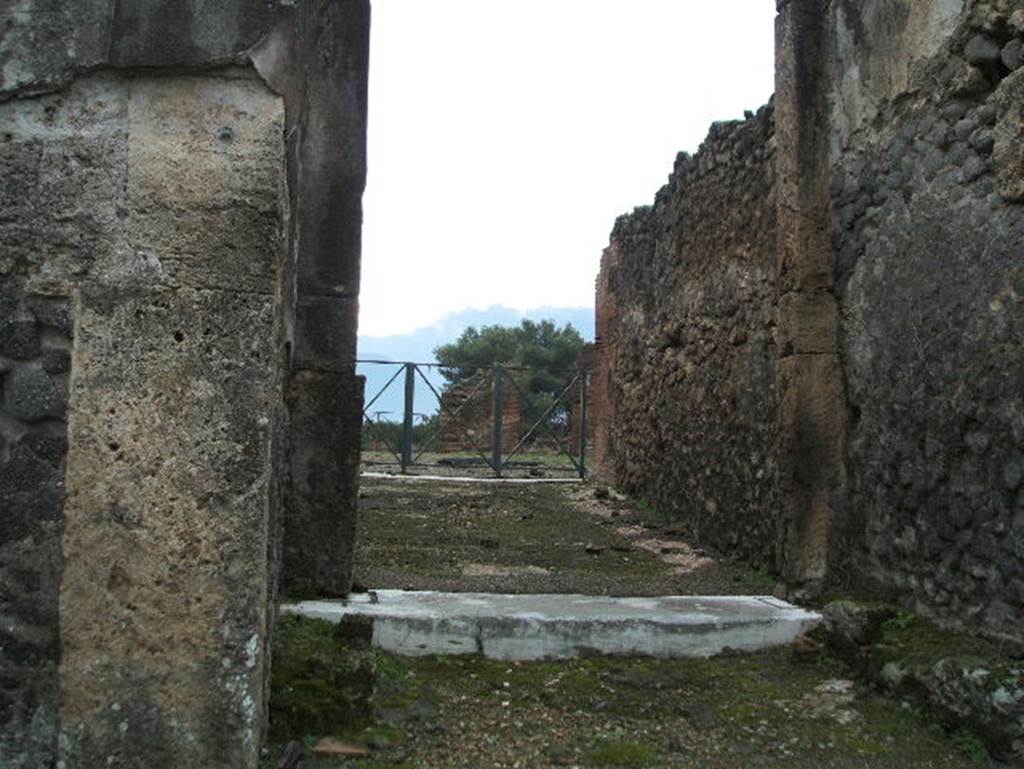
column 506, row 136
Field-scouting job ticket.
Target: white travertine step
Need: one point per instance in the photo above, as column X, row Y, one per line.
column 534, row 627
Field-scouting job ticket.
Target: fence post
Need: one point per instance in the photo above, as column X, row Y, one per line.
column 498, row 414
column 410, row 390
column 583, row 424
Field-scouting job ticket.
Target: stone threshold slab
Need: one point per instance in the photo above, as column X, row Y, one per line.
column 466, row 479
column 537, row 627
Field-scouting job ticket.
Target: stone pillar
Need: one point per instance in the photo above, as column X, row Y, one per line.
column 810, row 380
column 326, row 396
column 161, row 163
column 324, row 466
column 176, row 419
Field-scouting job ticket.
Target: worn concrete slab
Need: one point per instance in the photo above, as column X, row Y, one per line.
column 532, row 627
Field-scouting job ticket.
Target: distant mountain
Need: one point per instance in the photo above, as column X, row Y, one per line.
column 418, row 346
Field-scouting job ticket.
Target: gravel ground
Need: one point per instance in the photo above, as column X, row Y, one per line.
column 517, row 538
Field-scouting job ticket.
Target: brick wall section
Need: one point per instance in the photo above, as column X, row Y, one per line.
column 466, row 415
column 684, row 394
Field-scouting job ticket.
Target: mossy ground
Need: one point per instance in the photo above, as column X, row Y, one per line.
column 915, row 643
column 761, row 710
column 535, row 538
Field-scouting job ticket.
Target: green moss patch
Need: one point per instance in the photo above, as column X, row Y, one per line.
column 322, row 681
column 917, row 643
column 622, row 753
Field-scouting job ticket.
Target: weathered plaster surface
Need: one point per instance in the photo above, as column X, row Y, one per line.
column 881, row 49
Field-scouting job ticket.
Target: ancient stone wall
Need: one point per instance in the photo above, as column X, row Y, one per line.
column 890, row 380
column 686, row 305
column 928, row 232
column 149, row 281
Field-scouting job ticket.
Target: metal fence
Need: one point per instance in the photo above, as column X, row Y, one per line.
column 486, row 420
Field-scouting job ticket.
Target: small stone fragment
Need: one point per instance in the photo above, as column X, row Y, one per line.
column 977, row 441
column 1013, row 473
column 329, row 746
column 972, row 170
column 981, row 49
column 983, row 140
column 806, row 649
column 964, row 128
column 1017, row 21
column 987, row 114
column 701, row 717
column 1011, row 54
column 970, row 80
column 954, row 110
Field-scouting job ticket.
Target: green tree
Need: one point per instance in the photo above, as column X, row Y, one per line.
column 550, row 354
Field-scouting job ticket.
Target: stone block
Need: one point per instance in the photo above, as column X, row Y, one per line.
column 810, row 387
column 807, row 322
column 28, row 717
column 209, row 151
column 1008, row 153
column 69, row 149
column 19, row 339
column 325, row 338
column 52, row 312
column 124, row 165
column 320, row 520
column 31, row 394
column 143, row 33
column 166, row 575
column 55, row 361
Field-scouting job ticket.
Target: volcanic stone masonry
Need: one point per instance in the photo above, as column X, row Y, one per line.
column 180, row 219
column 811, row 347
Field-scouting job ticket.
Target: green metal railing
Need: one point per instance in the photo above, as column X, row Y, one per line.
column 570, row 400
